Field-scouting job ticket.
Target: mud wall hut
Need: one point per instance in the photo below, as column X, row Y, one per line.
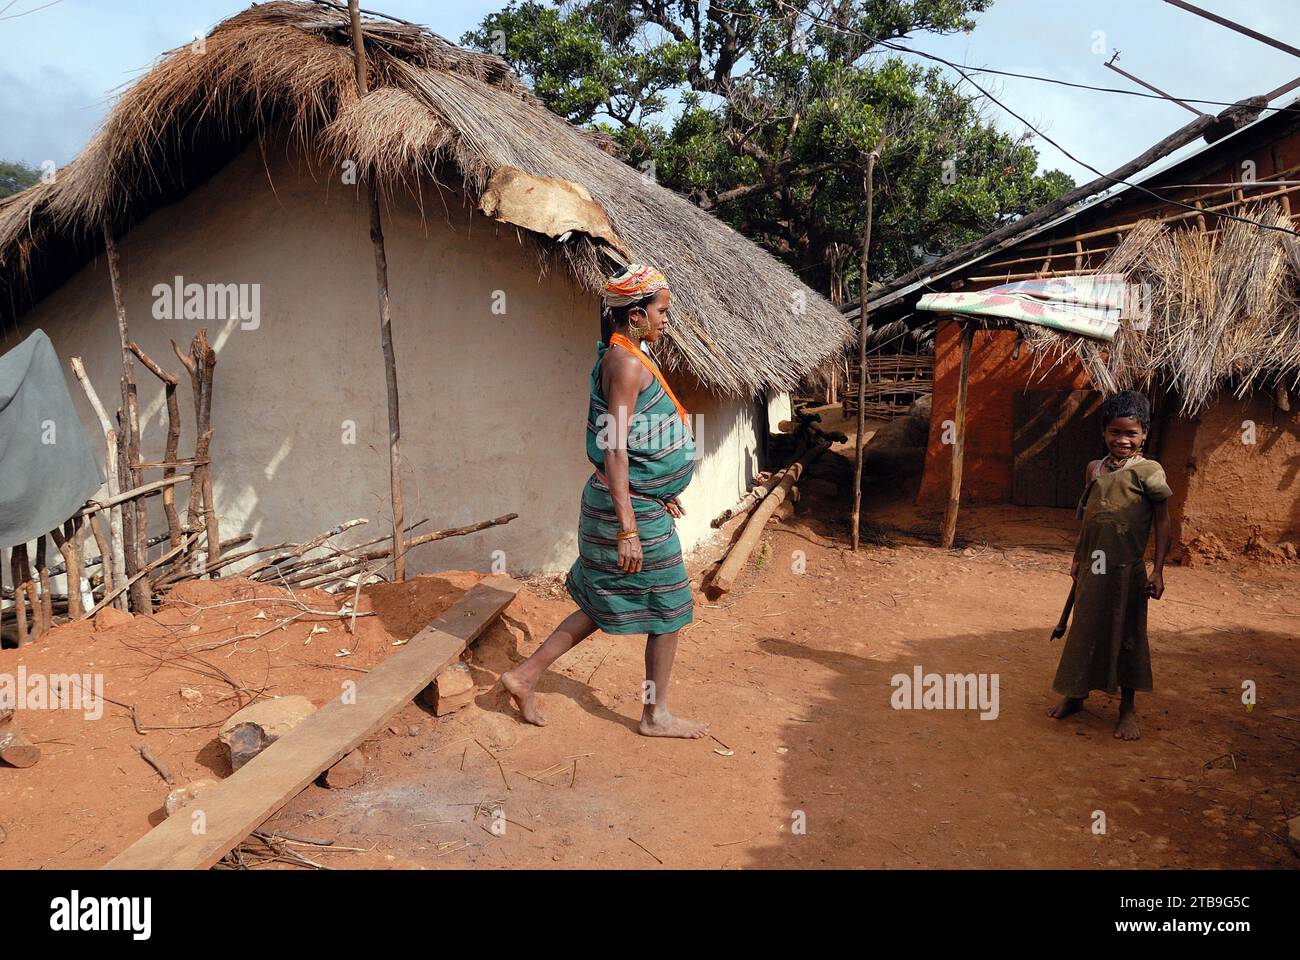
column 1216, row 345
column 229, row 177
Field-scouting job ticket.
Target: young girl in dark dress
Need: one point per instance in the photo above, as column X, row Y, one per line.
column 1107, row 644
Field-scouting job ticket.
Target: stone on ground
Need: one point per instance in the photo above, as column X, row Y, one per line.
column 257, row 726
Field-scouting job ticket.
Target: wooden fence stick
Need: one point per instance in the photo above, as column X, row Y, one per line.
column 147, row 569
column 144, row 490
column 173, row 438
column 17, row 557
column 105, row 552
column 68, row 539
column 43, row 574
column 116, row 541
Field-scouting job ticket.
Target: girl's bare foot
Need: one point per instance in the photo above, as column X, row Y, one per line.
column 664, row 724
column 1127, row 727
column 1066, row 707
column 521, row 692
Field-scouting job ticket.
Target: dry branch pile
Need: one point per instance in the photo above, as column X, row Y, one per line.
column 1218, row 308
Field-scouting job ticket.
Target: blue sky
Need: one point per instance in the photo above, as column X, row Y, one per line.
column 60, row 66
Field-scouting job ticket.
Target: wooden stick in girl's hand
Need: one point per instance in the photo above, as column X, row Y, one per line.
column 1058, row 631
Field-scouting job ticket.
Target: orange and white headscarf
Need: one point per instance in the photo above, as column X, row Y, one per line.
column 635, row 283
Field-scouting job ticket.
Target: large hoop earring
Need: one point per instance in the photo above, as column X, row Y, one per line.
column 638, row 330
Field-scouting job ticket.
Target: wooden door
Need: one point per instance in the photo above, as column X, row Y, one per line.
column 1055, row 434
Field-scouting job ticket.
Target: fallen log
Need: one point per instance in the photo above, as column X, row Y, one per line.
column 746, row 504
column 759, row 488
column 725, row 578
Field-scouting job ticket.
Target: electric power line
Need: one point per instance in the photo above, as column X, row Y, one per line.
column 1087, row 166
column 1080, row 86
column 23, row 13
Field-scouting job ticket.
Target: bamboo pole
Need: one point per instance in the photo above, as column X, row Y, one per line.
column 959, row 447
column 134, row 520
column 862, row 351
column 115, row 541
column 385, row 318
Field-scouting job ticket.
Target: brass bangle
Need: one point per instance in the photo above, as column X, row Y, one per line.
column 627, row 534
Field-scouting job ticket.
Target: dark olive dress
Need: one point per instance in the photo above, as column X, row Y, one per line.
column 1107, row 644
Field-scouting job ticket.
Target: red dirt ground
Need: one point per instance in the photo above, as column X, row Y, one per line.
column 793, row 671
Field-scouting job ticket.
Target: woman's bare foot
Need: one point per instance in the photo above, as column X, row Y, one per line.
column 664, row 724
column 522, row 694
column 1066, row 707
column 1127, row 727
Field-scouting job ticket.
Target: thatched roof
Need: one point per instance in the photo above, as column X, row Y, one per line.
column 741, row 320
column 1216, row 309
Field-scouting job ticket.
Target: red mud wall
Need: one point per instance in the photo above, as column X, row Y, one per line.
column 995, row 379
column 1227, row 487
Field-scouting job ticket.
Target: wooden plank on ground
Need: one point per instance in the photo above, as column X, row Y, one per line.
column 244, row 801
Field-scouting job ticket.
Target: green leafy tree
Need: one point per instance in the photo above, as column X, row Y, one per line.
column 764, row 111
column 15, row 176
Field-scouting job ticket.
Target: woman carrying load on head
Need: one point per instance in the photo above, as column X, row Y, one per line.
column 629, row 577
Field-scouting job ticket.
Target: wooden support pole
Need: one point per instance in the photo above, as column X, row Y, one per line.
column 115, row 541
column 959, row 447
column 385, row 318
column 862, row 353
column 1233, row 25
column 135, row 519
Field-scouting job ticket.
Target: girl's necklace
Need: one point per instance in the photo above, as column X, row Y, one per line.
column 1112, row 465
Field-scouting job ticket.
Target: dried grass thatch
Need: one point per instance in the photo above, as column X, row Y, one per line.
column 742, row 321
column 1216, row 309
